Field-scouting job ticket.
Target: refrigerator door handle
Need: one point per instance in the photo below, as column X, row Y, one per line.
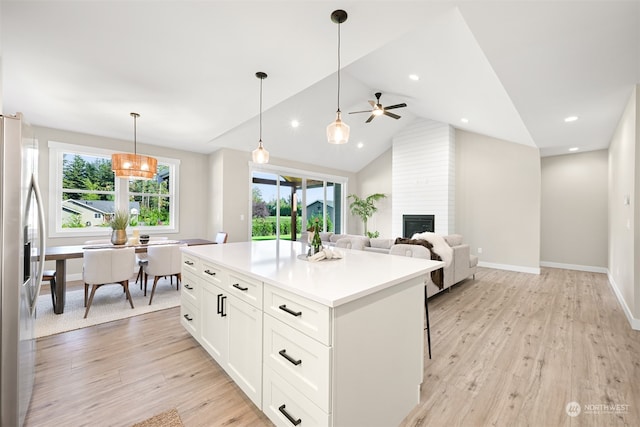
column 35, row 189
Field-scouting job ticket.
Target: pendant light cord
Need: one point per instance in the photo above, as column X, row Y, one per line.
column 261, row 109
column 338, row 68
column 135, row 117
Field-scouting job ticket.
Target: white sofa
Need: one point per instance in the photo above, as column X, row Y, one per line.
column 463, row 264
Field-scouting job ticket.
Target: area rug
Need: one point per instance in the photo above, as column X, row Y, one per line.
column 168, row 418
column 109, row 304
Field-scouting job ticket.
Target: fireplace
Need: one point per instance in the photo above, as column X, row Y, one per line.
column 412, row 224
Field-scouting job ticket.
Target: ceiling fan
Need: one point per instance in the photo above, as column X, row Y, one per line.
column 378, row 109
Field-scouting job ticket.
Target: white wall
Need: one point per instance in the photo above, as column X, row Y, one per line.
column 423, row 174
column 376, row 178
column 624, row 235
column 498, row 201
column 574, row 211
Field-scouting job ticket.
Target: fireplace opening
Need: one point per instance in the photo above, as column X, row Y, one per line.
column 412, row 224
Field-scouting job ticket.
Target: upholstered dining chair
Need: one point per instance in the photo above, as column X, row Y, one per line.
column 162, row 261
column 221, row 237
column 107, row 266
column 141, row 259
column 416, row 251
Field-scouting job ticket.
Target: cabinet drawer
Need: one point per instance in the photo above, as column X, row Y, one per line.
column 189, row 263
column 246, row 289
column 212, row 273
column 284, row 405
column 309, row 317
column 190, row 288
column 190, row 319
column 300, row 360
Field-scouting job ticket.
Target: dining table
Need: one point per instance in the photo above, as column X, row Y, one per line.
column 60, row 254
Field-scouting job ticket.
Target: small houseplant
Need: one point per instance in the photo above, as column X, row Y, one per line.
column 365, row 208
column 119, row 223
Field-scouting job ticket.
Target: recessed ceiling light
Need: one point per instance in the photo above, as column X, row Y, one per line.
column 295, row 123
column 360, row 145
column 573, row 149
column 414, row 77
column 464, row 120
column 571, row 119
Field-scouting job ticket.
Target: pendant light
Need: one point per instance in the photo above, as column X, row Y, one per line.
column 136, row 166
column 338, row 131
column 260, row 155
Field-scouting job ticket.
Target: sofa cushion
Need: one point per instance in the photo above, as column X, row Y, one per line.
column 380, row 243
column 335, row 237
column 453, row 239
column 326, row 236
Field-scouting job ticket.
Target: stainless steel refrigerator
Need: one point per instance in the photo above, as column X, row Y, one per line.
column 22, row 239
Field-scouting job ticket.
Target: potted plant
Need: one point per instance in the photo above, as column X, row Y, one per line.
column 365, row 208
column 119, row 223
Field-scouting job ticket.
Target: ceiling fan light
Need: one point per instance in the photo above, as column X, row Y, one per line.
column 377, row 111
column 338, row 131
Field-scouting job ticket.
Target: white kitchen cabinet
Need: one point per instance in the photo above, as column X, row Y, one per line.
column 230, row 327
column 336, row 343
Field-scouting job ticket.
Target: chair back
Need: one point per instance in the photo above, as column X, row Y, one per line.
column 221, row 237
column 164, row 260
column 415, row 251
column 102, row 266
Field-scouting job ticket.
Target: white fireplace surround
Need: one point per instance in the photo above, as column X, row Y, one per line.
column 423, row 175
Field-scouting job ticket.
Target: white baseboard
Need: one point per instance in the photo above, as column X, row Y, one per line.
column 518, row 268
column 578, row 267
column 635, row 323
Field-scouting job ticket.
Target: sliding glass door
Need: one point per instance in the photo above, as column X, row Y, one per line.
column 285, row 204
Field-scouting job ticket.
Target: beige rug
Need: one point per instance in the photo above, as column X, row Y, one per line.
column 109, row 304
column 169, row 418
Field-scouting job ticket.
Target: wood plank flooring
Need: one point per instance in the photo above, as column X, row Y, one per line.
column 509, row 349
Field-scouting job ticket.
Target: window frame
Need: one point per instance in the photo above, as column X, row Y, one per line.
column 121, row 190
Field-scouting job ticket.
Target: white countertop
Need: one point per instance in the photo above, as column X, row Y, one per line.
column 329, row 282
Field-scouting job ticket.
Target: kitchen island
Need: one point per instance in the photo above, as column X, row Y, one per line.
column 337, row 342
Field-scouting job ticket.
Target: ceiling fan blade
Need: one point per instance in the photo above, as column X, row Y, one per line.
column 396, row 106
column 373, row 103
column 395, row 116
column 371, row 117
column 356, row 112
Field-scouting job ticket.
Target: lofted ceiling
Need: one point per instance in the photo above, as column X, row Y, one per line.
column 514, row 70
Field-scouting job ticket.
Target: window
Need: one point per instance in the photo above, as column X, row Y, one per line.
column 84, row 193
column 279, row 195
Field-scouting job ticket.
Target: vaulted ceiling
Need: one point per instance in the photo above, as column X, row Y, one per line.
column 514, row 70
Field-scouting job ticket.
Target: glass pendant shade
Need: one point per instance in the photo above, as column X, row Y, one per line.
column 134, row 165
column 338, row 131
column 260, row 155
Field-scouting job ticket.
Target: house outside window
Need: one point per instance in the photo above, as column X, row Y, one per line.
column 84, row 193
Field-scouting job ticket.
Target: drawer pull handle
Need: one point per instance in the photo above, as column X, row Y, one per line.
column 188, row 263
column 237, row 286
column 219, row 307
column 284, row 354
column 186, row 316
column 283, row 307
column 210, row 273
column 289, row 417
column 188, row 286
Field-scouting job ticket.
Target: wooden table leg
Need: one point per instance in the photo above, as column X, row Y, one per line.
column 61, row 285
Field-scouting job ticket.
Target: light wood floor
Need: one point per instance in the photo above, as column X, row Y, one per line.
column 509, row 349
